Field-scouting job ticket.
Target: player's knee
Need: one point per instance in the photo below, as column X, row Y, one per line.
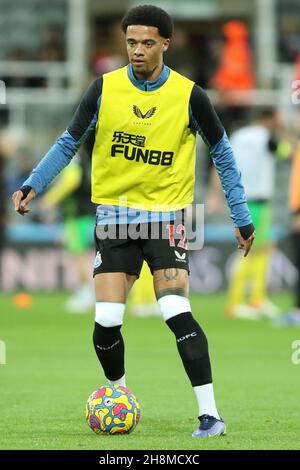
column 109, row 314
column 172, row 305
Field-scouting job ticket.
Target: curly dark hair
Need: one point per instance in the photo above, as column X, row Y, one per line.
column 149, row 15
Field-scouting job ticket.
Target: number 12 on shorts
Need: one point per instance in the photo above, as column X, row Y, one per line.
column 180, row 229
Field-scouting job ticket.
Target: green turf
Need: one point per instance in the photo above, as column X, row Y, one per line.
column 51, row 369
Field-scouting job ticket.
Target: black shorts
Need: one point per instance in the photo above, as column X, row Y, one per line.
column 161, row 244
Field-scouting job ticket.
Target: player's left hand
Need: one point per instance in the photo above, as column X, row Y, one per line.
column 21, row 200
column 244, row 244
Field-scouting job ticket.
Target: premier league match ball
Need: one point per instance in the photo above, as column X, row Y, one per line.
column 112, row 410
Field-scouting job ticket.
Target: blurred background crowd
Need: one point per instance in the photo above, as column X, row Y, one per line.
column 246, row 55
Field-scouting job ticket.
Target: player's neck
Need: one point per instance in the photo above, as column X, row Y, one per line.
column 150, row 76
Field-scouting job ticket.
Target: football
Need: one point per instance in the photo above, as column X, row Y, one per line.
column 112, row 410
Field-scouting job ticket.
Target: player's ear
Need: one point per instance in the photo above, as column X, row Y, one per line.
column 166, row 44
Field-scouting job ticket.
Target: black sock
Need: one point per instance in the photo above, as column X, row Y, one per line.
column 193, row 348
column 109, row 347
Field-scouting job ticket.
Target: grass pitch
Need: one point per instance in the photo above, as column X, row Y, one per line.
column 51, row 369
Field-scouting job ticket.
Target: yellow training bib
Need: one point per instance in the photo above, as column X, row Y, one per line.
column 144, row 152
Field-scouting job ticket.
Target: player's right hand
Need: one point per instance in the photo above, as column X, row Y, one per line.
column 21, row 200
